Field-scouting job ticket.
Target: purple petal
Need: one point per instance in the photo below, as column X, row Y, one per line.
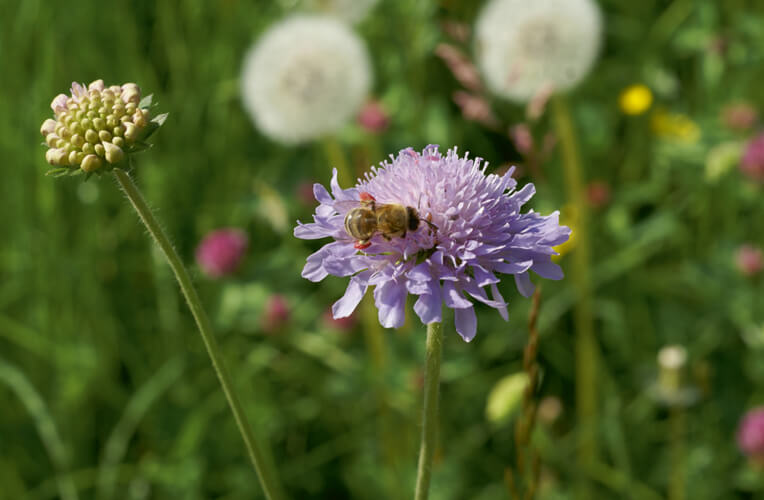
column 310, row 231
column 496, row 294
column 346, row 266
column 513, row 267
column 321, row 194
column 466, row 323
column 548, row 270
column 390, row 299
column 524, row 285
column 346, row 305
column 454, row 298
column 429, row 306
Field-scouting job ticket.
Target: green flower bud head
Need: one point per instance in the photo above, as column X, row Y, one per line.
column 97, row 128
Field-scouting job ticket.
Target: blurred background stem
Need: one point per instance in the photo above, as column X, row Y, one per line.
column 676, row 473
column 46, row 427
column 433, row 355
column 268, row 479
column 336, row 158
column 585, row 342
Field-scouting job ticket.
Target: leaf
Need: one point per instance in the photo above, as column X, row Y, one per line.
column 57, row 172
column 159, row 119
column 146, row 101
column 139, row 147
column 153, row 125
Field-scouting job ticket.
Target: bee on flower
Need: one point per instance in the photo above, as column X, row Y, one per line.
column 435, row 226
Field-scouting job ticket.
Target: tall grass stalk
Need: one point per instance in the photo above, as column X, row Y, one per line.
column 585, row 343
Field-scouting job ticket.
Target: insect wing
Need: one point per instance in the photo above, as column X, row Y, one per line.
column 346, row 205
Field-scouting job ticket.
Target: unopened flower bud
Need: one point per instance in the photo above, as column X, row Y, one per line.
column 55, row 156
column 90, row 163
column 131, row 132
column 96, row 85
column 51, row 140
column 114, row 154
column 91, row 136
column 48, row 126
column 131, row 93
column 99, row 149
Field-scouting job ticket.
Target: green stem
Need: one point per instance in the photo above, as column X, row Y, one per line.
column 676, row 484
column 336, row 157
column 433, row 354
column 586, row 344
column 268, row 479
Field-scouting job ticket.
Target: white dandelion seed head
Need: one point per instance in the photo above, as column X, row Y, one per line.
column 349, row 11
column 305, row 77
column 523, row 47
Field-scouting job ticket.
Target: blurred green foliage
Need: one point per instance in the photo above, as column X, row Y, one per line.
column 108, row 393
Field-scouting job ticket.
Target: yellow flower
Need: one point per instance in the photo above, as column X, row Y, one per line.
column 569, row 217
column 675, row 126
column 635, row 99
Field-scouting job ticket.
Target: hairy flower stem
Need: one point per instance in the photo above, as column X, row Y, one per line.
column 433, row 355
column 271, row 486
column 586, row 344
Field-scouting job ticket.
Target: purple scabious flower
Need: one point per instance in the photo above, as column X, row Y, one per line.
column 750, row 435
column 475, row 230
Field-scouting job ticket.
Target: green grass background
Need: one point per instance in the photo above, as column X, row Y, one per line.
column 106, row 389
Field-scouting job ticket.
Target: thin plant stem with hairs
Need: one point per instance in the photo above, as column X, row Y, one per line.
column 256, row 451
column 433, row 356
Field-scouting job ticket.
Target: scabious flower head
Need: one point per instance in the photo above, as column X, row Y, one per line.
column 221, row 251
column 523, row 46
column 474, row 230
column 750, row 435
column 305, row 77
column 752, row 164
column 97, row 126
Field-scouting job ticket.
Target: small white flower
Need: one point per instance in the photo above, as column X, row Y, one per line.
column 307, row 76
column 349, row 11
column 523, row 46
